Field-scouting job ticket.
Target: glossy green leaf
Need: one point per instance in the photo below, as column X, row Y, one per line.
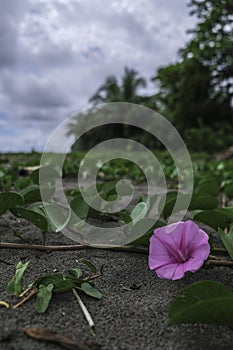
column 203, row 302
column 227, row 239
column 9, row 200
column 37, row 219
column 44, row 296
column 89, row 290
column 15, row 285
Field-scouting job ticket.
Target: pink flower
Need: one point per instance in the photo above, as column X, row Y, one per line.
column 177, row 248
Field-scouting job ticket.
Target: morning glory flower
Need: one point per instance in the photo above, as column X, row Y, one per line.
column 177, row 248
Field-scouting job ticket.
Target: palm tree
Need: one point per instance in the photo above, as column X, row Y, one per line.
column 127, row 91
column 111, row 91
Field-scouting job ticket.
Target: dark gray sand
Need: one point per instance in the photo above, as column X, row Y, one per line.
column 131, row 315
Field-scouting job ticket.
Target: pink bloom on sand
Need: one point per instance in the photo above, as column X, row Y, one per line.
column 177, row 248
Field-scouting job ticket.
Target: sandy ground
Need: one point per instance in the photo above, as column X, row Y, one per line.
column 131, row 315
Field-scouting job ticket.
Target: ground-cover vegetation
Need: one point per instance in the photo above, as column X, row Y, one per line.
column 211, row 205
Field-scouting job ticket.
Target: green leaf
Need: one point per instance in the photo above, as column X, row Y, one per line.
column 125, row 217
column 203, row 201
column 53, row 214
column 141, row 226
column 50, row 278
column 79, row 207
column 15, row 285
column 90, row 265
column 9, row 200
column 31, row 194
column 37, row 219
column 229, row 190
column 139, row 211
column 208, row 186
column 89, row 290
column 203, row 302
column 212, row 218
column 60, row 283
column 227, row 239
column 44, row 296
column 75, row 272
column 22, row 183
column 46, row 174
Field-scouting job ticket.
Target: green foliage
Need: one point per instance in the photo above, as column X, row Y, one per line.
column 9, row 200
column 203, row 302
column 89, row 264
column 227, row 239
column 15, row 285
column 195, row 94
column 46, row 285
column 44, row 296
column 32, row 216
column 89, row 290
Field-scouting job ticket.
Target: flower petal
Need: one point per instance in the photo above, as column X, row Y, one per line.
column 171, row 271
column 177, row 248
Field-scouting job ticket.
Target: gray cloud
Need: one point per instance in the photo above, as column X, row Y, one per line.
column 55, row 54
column 32, row 91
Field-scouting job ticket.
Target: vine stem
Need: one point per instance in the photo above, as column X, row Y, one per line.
column 4, row 245
column 7, row 245
column 227, row 263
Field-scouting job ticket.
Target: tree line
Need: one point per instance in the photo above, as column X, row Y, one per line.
column 194, row 94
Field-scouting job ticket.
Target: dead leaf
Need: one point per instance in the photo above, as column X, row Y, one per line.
column 61, row 339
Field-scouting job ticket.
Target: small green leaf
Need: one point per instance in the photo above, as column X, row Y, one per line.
column 203, row 302
column 139, row 211
column 75, row 272
column 15, row 285
column 90, row 265
column 89, row 290
column 44, row 296
column 227, row 239
column 9, row 200
column 30, row 215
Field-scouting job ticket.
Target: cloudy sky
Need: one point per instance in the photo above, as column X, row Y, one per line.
column 54, row 54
